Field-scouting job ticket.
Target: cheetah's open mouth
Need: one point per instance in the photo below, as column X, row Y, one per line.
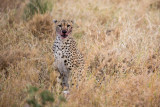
column 64, row 35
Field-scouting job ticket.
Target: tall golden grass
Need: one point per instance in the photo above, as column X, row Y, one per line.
column 120, row 42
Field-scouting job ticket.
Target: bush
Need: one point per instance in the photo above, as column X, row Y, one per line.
column 45, row 96
column 42, row 98
column 36, row 6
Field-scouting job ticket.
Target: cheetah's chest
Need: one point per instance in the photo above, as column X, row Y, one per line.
column 61, row 51
column 61, row 54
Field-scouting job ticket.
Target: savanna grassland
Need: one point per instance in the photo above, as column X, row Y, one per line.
column 120, row 41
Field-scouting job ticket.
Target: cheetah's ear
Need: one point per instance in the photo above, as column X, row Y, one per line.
column 55, row 21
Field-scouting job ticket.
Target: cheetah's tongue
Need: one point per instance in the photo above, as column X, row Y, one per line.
column 64, row 35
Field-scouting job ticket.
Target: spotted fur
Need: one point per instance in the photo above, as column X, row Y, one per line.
column 68, row 60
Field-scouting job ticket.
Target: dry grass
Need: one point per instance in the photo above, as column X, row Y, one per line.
column 41, row 26
column 119, row 38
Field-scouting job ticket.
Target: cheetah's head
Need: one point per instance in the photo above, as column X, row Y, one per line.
column 63, row 27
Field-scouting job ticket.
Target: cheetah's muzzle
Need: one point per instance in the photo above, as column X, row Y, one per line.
column 64, row 33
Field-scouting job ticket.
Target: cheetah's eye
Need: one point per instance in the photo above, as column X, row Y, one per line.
column 59, row 25
column 68, row 25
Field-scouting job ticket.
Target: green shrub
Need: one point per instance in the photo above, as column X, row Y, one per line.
column 42, row 98
column 35, row 95
column 36, row 6
column 46, row 96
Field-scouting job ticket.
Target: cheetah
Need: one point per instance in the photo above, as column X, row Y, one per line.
column 69, row 61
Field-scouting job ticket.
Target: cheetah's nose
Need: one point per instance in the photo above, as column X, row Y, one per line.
column 64, row 31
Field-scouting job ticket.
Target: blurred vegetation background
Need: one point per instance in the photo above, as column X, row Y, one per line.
column 118, row 38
